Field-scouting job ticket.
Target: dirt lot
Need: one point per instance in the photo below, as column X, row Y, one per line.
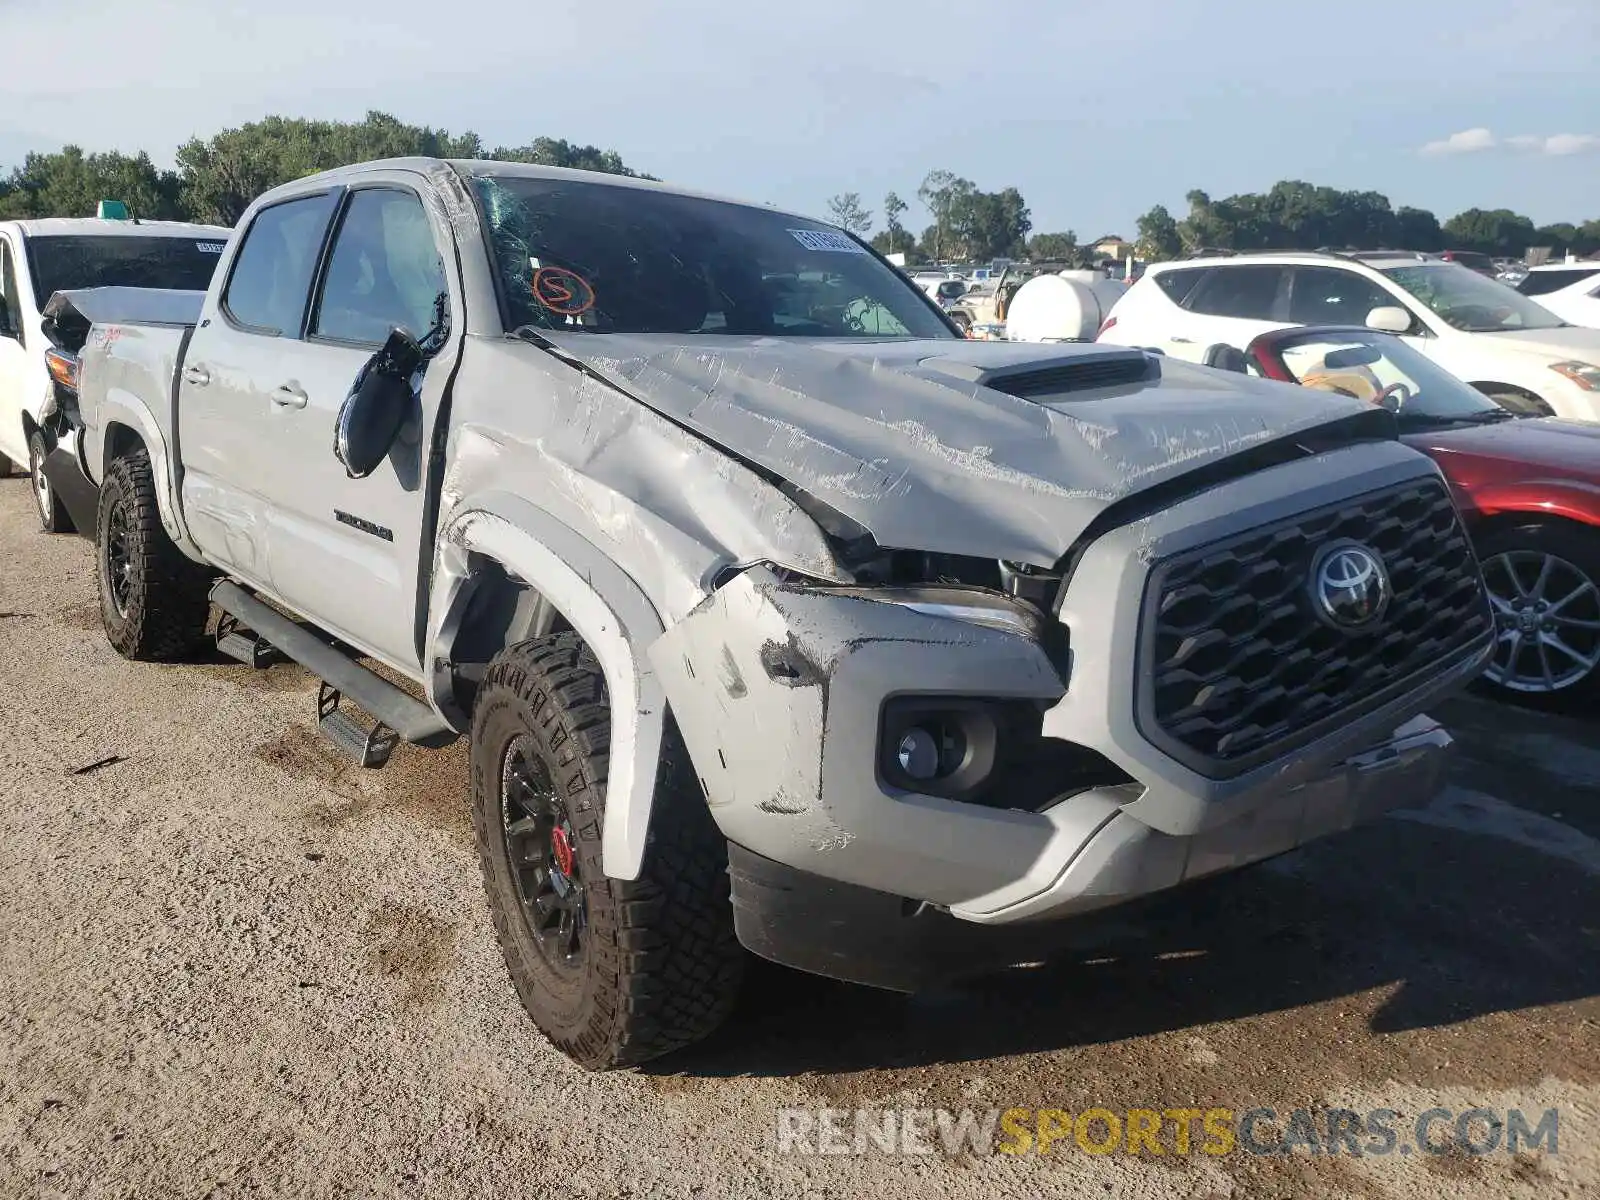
column 232, row 966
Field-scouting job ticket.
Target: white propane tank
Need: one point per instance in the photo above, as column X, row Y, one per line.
column 1068, row 307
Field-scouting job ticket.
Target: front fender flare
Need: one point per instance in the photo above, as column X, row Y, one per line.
column 604, row 606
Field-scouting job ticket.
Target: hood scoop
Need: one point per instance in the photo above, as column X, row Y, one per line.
column 1036, row 381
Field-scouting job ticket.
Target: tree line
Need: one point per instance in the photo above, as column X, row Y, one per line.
column 972, row 225
column 217, row 177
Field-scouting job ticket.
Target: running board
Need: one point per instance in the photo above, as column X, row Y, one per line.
column 399, row 716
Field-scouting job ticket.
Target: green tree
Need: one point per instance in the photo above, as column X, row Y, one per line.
column 846, row 211
column 70, row 183
column 1418, row 229
column 1053, row 247
column 893, row 209
column 224, row 173
column 1496, row 231
column 1159, row 239
column 938, row 194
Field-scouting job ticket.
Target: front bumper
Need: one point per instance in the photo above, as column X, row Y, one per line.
column 779, row 692
column 870, row 937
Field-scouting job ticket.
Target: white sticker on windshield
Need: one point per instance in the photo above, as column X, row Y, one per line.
column 210, row 247
column 828, row 240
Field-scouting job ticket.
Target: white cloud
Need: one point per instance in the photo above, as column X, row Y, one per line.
column 1571, row 143
column 1468, row 141
column 1557, row 145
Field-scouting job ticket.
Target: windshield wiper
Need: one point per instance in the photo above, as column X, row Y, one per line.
column 1490, row 416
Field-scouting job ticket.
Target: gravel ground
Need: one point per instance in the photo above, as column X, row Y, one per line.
column 232, row 966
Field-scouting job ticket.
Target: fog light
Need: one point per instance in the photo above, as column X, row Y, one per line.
column 918, row 753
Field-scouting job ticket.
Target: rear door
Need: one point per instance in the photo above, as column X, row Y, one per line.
column 230, row 429
column 1231, row 306
column 351, row 550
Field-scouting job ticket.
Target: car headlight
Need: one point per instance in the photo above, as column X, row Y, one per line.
column 1585, row 375
column 975, row 606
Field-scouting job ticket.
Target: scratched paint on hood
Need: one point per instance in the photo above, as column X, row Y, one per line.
column 892, row 435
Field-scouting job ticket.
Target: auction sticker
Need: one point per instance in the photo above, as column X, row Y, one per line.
column 830, row 241
column 563, row 291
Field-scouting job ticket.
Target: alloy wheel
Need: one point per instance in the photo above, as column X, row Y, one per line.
column 119, row 557
column 541, row 846
column 1547, row 621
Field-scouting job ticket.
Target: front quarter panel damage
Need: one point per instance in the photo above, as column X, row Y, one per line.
column 667, row 507
column 778, row 692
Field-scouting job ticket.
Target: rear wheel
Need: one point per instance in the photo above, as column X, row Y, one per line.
column 1544, row 584
column 53, row 516
column 614, row 972
column 154, row 600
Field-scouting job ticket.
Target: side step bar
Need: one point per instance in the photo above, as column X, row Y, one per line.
column 398, row 713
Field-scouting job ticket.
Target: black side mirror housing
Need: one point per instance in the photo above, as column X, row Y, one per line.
column 379, row 402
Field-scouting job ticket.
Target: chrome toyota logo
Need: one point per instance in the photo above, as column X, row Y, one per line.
column 1350, row 586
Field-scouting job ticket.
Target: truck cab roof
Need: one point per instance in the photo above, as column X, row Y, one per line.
column 97, row 227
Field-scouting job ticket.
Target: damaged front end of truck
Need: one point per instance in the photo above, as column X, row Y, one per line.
column 962, row 639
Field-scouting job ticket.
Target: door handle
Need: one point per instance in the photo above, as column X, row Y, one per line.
column 198, row 376
column 288, row 396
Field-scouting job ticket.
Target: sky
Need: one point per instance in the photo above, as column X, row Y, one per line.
column 1095, row 112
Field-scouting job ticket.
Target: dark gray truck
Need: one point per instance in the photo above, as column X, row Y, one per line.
column 777, row 614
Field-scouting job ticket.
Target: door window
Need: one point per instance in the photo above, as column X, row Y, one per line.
column 8, row 288
column 384, row 272
column 1250, row 293
column 272, row 275
column 1328, row 296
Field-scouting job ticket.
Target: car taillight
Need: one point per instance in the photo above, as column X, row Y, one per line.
column 1105, row 325
column 63, row 368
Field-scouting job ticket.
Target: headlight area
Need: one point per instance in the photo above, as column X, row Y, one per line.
column 1585, row 375
column 985, row 751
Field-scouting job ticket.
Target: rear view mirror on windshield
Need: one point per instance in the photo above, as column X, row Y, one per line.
column 1354, row 356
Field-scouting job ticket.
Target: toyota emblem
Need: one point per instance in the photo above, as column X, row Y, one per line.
column 1350, row 586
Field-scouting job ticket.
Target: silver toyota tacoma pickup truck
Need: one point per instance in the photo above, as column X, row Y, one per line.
column 779, row 616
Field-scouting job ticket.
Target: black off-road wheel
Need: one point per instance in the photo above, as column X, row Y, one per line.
column 154, row 600
column 614, row 972
column 53, row 515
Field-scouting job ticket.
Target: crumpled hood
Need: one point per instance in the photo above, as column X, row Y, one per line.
column 904, row 438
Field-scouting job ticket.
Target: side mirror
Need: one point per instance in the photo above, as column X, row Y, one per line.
column 1389, row 318
column 378, row 404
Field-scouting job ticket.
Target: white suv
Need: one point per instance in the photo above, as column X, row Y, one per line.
column 1570, row 290
column 1479, row 330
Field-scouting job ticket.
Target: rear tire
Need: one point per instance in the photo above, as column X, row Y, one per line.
column 53, row 515
column 154, row 600
column 614, row 972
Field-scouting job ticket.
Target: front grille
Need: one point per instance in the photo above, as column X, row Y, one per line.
column 1237, row 666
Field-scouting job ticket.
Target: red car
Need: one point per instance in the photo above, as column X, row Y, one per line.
column 1527, row 487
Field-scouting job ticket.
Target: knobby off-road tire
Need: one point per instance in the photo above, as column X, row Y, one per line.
column 153, row 600
column 657, row 965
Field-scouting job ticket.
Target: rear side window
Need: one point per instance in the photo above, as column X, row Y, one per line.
column 1542, row 283
column 1180, row 285
column 1327, row 296
column 1249, row 292
column 271, row 278
column 384, row 271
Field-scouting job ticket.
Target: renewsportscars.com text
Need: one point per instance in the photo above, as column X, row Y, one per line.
column 1173, row 1131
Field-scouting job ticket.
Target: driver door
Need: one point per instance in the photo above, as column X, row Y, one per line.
column 13, row 359
column 351, row 551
